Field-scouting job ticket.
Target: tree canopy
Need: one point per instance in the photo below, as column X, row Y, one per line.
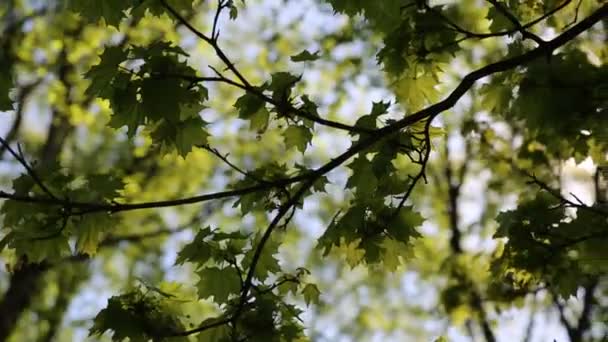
column 275, row 170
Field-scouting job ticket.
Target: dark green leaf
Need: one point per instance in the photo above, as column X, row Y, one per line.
column 112, row 11
column 267, row 263
column 218, row 283
column 305, row 56
column 248, row 105
column 102, row 74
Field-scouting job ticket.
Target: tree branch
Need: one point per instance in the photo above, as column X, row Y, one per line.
column 92, row 207
column 454, row 187
column 30, row 171
column 483, row 35
column 14, row 130
column 366, row 141
column 584, row 320
column 520, row 28
column 245, row 84
column 427, row 113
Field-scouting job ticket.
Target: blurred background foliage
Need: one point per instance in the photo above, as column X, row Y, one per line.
column 484, row 225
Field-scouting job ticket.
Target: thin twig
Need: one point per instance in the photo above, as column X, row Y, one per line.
column 366, row 141
column 479, row 35
column 14, row 130
column 221, row 4
column 575, row 19
column 421, row 173
column 369, row 140
column 525, row 33
column 30, row 171
column 246, row 85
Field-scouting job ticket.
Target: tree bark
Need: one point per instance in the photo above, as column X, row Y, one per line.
column 25, row 280
column 23, row 286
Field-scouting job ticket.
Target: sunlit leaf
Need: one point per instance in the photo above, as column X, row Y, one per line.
column 218, row 283
column 311, row 294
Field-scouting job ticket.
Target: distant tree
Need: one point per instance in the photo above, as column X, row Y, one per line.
column 180, row 157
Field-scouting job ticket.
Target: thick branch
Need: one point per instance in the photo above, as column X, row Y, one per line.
column 584, row 320
column 369, row 140
column 454, row 187
column 24, row 285
column 366, row 141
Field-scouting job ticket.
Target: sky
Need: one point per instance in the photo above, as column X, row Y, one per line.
column 577, row 179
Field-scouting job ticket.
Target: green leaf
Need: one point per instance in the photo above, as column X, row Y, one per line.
column 190, row 133
column 40, row 237
column 499, row 21
column 211, row 246
column 311, row 109
column 156, row 7
column 248, row 106
column 163, row 55
column 197, row 251
column 496, row 97
column 362, row 177
column 343, row 228
column 305, row 56
column 288, row 287
column 350, row 251
column 234, row 12
column 259, row 322
column 311, row 294
column 40, row 244
column 102, row 74
column 416, row 92
column 101, row 186
column 267, row 263
column 383, row 15
column 117, row 318
column 137, row 316
column 127, row 110
column 320, row 184
column 403, row 226
column 190, row 110
column 112, row 11
column 251, row 202
column 161, row 98
column 281, row 85
column 90, row 230
column 298, row 137
column 395, row 253
column 218, row 283
column 181, row 135
column 259, row 120
column 380, row 108
column 530, row 216
column 369, row 121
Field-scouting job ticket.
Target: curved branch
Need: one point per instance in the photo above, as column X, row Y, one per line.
column 366, row 142
column 369, row 140
column 91, row 207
